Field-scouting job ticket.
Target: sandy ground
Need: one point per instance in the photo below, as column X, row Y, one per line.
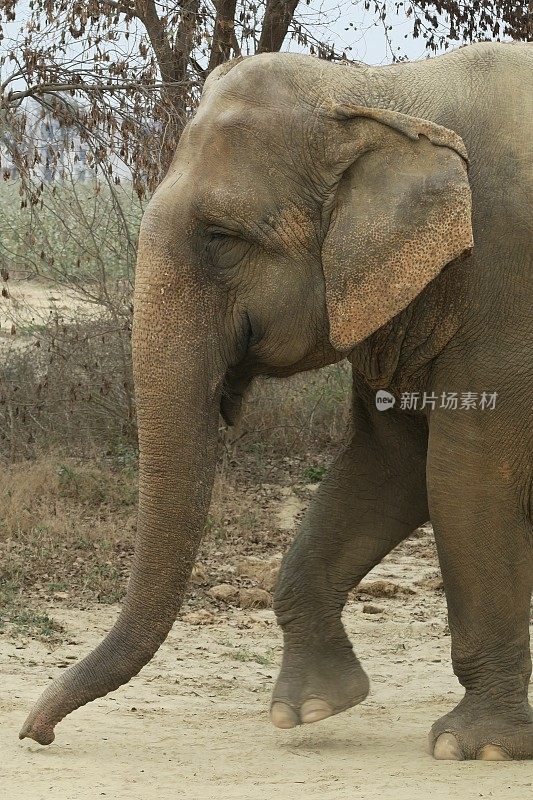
column 32, row 302
column 194, row 723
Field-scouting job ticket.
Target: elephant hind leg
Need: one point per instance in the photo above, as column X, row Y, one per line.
column 373, row 497
column 484, row 539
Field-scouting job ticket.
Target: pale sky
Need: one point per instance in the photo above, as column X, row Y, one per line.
column 355, row 30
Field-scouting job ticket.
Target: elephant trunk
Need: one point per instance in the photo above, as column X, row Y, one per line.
column 178, row 376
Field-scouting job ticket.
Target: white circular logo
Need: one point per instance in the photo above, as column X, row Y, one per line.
column 384, row 400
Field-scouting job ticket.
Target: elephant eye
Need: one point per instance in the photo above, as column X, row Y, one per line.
column 225, row 248
column 218, row 235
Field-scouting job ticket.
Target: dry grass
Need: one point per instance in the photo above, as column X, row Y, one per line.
column 66, row 532
column 305, row 411
column 69, row 387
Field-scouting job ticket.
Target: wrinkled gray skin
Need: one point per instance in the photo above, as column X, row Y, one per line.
column 300, row 224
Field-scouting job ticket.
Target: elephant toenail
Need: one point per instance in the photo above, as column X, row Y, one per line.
column 447, row 748
column 283, row 716
column 491, row 752
column 314, row 710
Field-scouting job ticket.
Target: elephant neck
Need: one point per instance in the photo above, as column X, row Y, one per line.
column 424, row 89
column 401, row 355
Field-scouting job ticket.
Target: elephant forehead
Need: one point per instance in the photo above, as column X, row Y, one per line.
column 225, row 173
column 273, row 80
column 237, row 136
column 256, row 212
column 230, row 199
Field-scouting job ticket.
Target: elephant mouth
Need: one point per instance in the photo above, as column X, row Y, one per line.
column 230, row 409
column 233, row 391
column 239, row 376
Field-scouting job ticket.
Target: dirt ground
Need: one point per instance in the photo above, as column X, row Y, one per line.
column 34, row 303
column 194, row 723
column 37, row 300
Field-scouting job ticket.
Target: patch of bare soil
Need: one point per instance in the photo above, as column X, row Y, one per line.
column 194, row 723
column 32, row 303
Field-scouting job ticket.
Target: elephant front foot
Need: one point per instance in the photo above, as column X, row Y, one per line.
column 475, row 730
column 316, row 684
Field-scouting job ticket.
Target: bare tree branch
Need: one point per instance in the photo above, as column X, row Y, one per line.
column 51, row 88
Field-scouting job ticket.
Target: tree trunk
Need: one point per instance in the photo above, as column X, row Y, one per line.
column 278, row 17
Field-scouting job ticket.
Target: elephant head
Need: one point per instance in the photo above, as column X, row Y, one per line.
column 294, row 221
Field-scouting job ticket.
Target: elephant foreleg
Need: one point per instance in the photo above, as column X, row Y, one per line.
column 373, row 497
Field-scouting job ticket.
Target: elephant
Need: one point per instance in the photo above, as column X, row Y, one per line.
column 316, row 212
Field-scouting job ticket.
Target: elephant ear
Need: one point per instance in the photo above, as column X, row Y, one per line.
column 401, row 212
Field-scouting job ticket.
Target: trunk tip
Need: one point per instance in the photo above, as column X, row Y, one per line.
column 42, row 734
